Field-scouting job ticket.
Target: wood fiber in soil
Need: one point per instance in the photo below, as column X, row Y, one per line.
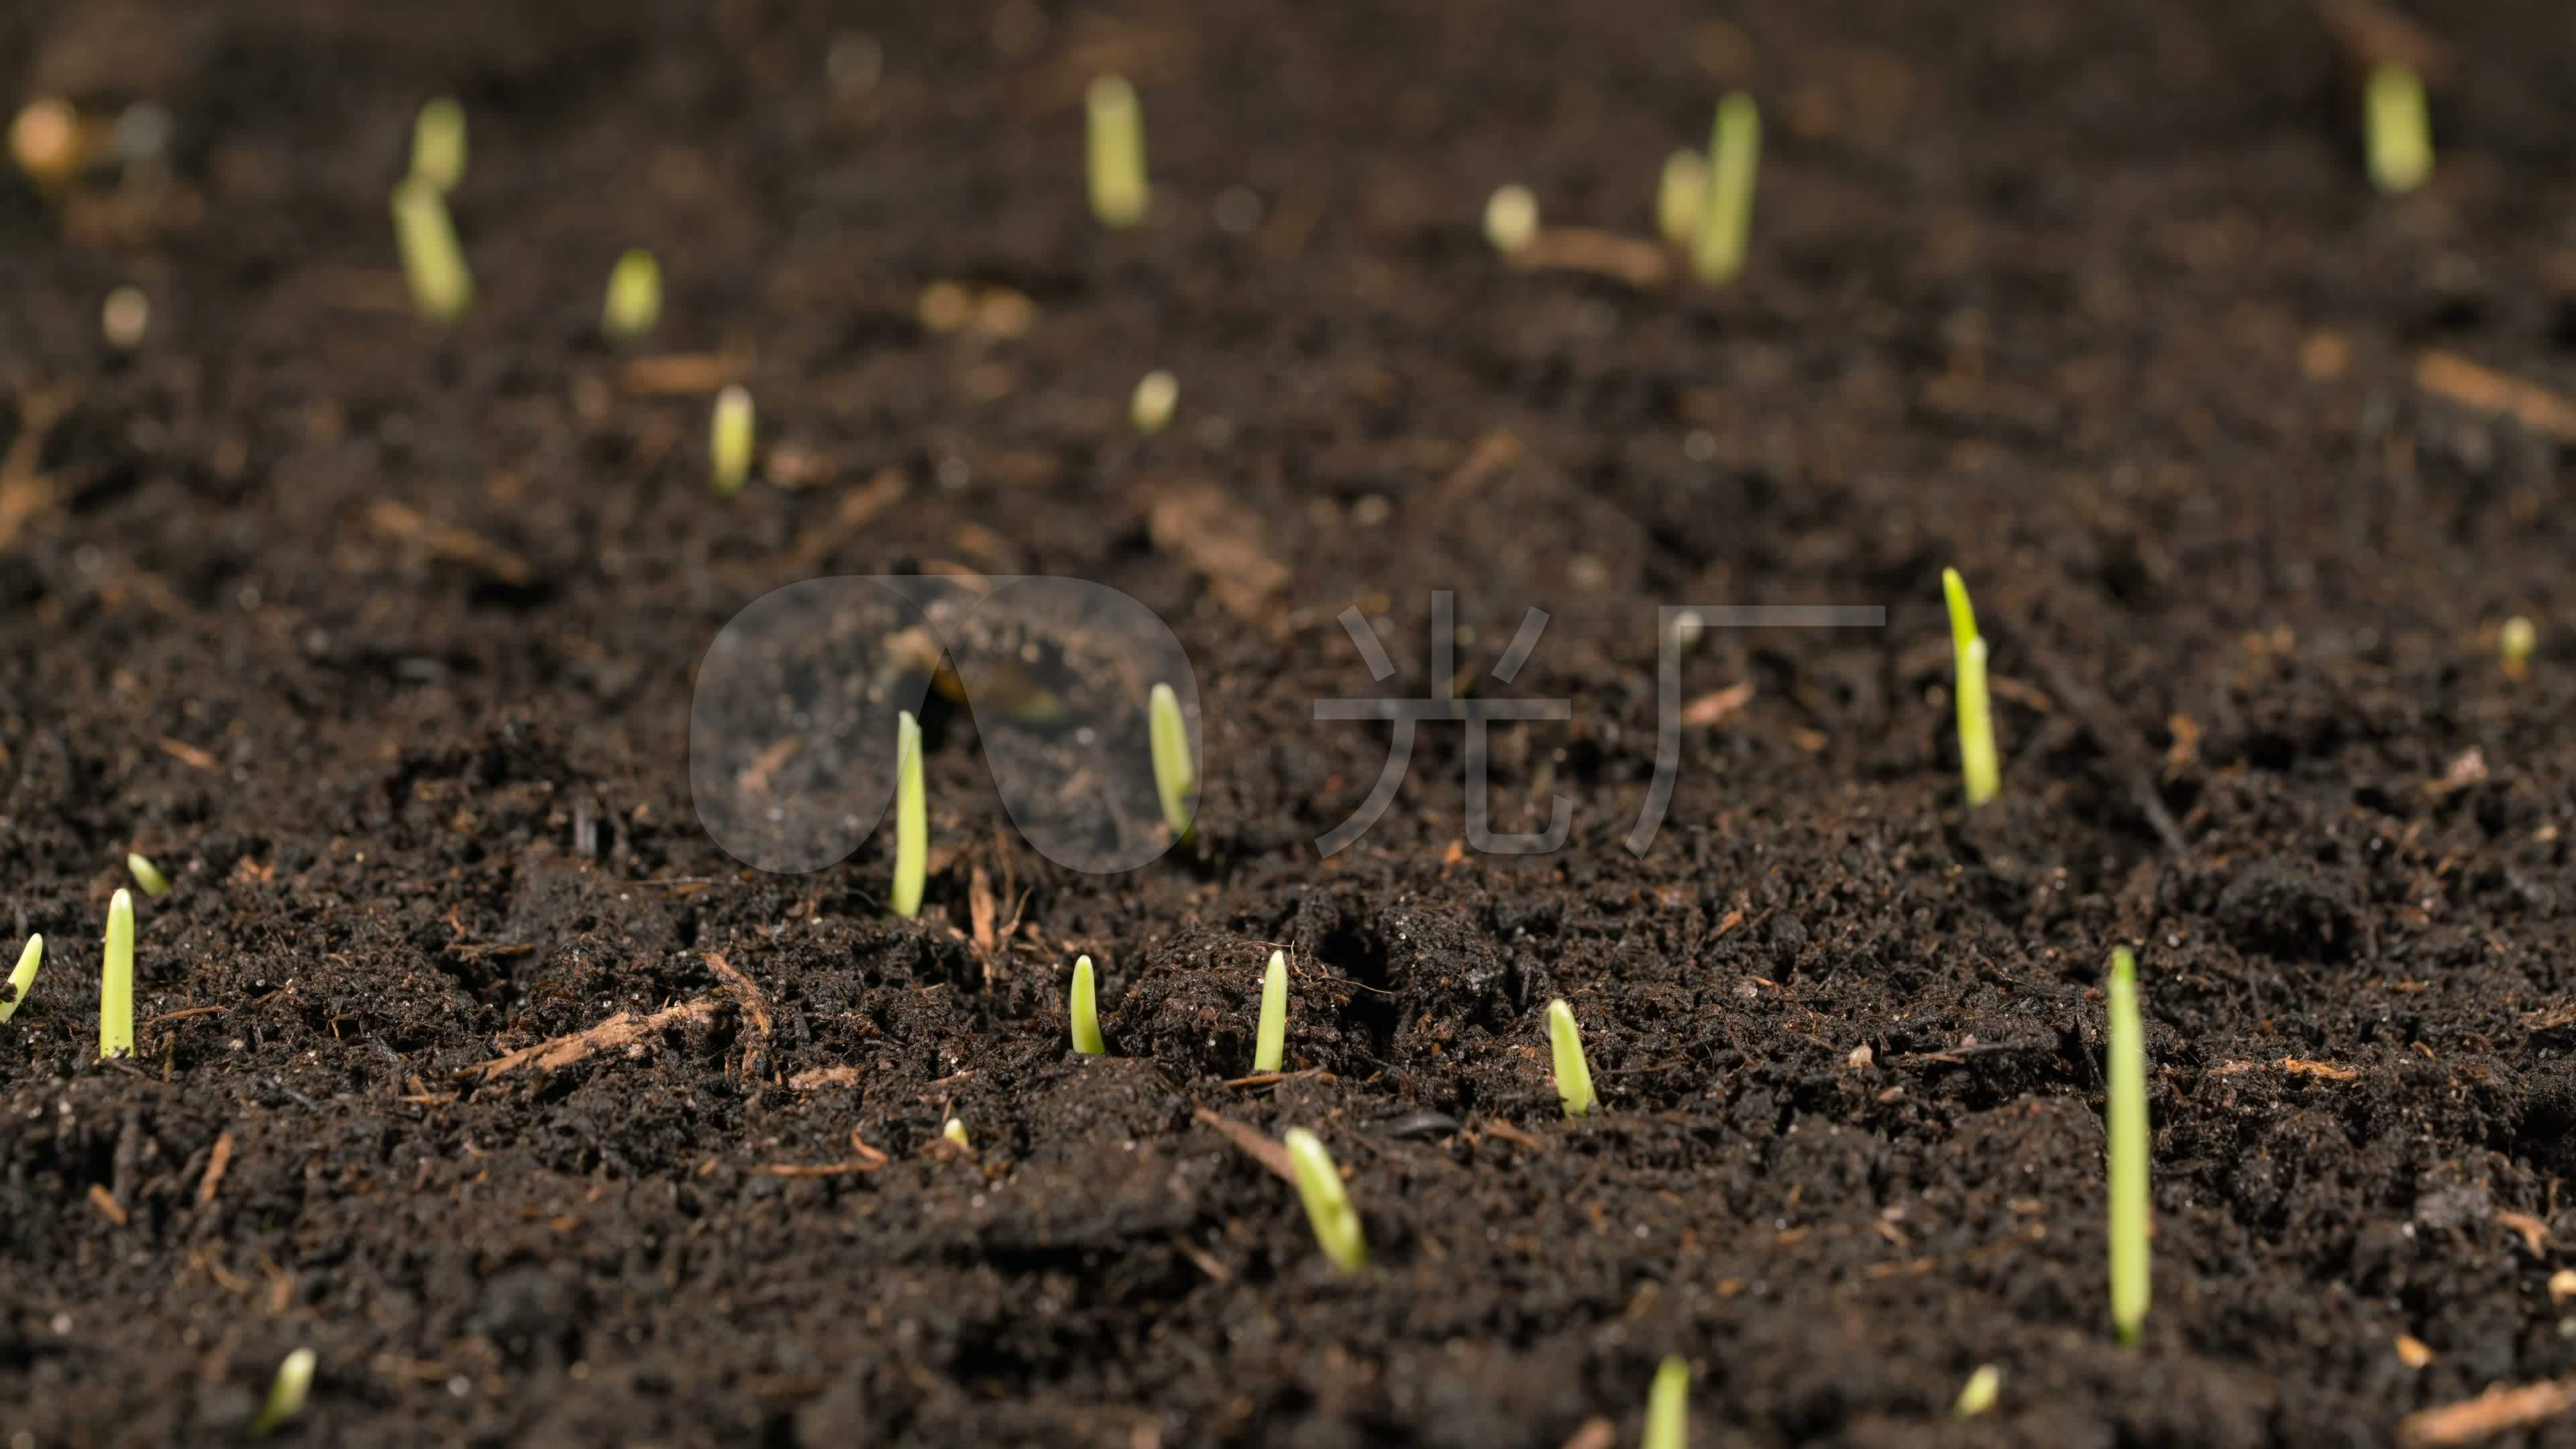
column 2088, row 300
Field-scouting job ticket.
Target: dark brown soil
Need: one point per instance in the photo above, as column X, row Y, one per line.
column 380, row 641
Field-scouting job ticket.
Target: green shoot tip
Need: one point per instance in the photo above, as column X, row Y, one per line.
column 911, row 818
column 2516, row 642
column 1678, row 196
column 1157, row 393
column 1167, row 735
column 438, row 143
column 1726, row 203
column 729, row 441
column 23, row 980
column 442, row 287
column 1115, row 144
column 1573, row 1073
column 1328, row 1206
column 286, row 1393
column 2400, row 136
column 116, row 980
column 1270, row 1040
column 1668, row 1406
column 1086, row 1011
column 1511, row 218
column 634, row 305
column 955, row 1132
column 2125, row 1111
column 147, row 875
column 1978, row 1394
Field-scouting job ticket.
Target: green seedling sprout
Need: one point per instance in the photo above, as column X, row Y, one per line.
column 116, row 981
column 1668, row 1406
column 1157, row 393
column 2126, row 1110
column 1116, row 147
column 634, row 305
column 23, row 980
column 1270, row 1042
column 441, row 286
column 2400, row 139
column 286, row 1393
column 1511, row 219
column 1573, row 1073
column 1328, row 1207
column 1169, row 739
column 147, row 875
column 2516, row 642
column 955, row 1132
column 1726, row 205
column 438, row 143
column 729, row 440
column 911, row 817
column 1677, row 196
column 1978, row 1394
column 1086, row 1011
column 1977, row 766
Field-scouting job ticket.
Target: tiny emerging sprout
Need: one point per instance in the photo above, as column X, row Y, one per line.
column 1328, row 1207
column 1270, row 1040
column 45, row 141
column 1086, row 1011
column 433, row 263
column 2516, row 642
column 1978, row 1394
column 1573, row 1073
column 1978, row 769
column 1157, row 393
column 2125, row 1108
column 955, row 1132
column 147, row 875
column 116, row 981
column 124, row 317
column 729, row 442
column 286, row 1393
column 438, row 143
column 634, row 305
column 1677, row 196
column 1668, row 1407
column 1115, row 143
column 23, row 980
column 911, row 818
column 1169, row 738
column 1511, row 218
column 1726, row 205
column 2400, row 139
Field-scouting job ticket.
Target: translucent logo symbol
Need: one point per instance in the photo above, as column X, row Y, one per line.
column 792, row 724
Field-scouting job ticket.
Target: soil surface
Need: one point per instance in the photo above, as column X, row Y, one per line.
column 380, row 639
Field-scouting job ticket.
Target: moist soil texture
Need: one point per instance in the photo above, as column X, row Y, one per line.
column 468, row 1059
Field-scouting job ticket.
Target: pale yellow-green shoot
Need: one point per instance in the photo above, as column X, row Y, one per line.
column 1978, row 1394
column 729, row 440
column 1328, row 1207
column 1116, row 149
column 147, row 875
column 1726, row 204
column 23, row 980
column 1979, row 769
column 1668, row 1406
column 1157, row 393
column 116, row 981
column 2125, row 1111
column 286, row 1393
column 634, row 305
column 1270, row 1040
column 1573, row 1073
column 1086, row 1011
column 2516, row 642
column 2400, row 137
column 1511, row 218
column 438, row 143
column 911, row 818
column 433, row 263
column 955, row 1132
column 1677, row 196
column 1168, row 736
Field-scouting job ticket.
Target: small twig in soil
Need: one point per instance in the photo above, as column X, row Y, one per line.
column 106, row 1202
column 2377, row 35
column 447, row 541
column 187, row 754
column 24, row 492
column 183, row 1012
column 821, row 1077
column 1497, row 1127
column 1595, row 1434
column 868, row 1159
column 754, row 1005
column 216, row 1163
column 1630, row 260
column 2449, row 375
column 1259, row 1148
column 2128, row 753
column 2493, row 1412
column 1209, row 531
column 622, row 1029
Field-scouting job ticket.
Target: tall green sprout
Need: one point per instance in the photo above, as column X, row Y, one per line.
column 911, row 818
column 438, row 143
column 2125, row 1106
column 1668, row 1407
column 1328, row 1207
column 442, row 287
column 1726, row 204
column 1086, row 1011
column 1978, row 769
column 1169, row 738
column 1115, row 144
column 2400, row 137
column 1270, row 1041
column 116, row 981
column 23, row 980
column 1573, row 1073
